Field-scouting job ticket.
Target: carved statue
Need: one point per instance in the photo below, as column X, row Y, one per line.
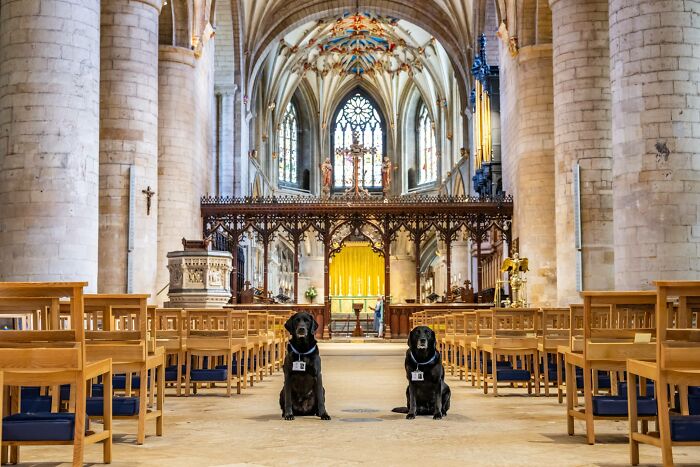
column 386, row 175
column 327, row 176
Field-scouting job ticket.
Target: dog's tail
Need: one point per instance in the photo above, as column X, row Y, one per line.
column 400, row 410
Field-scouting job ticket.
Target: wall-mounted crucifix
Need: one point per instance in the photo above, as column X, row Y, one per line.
column 149, row 194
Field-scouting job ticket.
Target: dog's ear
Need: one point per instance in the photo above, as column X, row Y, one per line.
column 289, row 325
column 314, row 324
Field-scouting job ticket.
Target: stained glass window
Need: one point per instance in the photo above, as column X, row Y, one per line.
column 427, row 152
column 358, row 113
column 288, row 137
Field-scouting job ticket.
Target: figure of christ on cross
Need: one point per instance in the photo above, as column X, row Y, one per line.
column 355, row 153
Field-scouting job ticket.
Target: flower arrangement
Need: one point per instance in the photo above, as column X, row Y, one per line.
column 311, row 293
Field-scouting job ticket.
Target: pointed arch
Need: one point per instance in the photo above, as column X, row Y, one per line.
column 358, row 112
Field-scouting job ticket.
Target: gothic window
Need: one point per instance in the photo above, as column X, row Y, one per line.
column 288, row 137
column 427, row 152
column 358, row 113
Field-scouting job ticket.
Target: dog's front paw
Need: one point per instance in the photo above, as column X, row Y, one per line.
column 437, row 416
column 325, row 416
column 410, row 416
column 289, row 416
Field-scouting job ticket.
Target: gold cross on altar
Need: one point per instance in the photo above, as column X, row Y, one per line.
column 356, row 153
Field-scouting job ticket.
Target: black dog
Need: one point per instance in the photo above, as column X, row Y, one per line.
column 303, row 392
column 427, row 392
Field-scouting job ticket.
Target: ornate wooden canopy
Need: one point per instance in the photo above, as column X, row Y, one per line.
column 339, row 219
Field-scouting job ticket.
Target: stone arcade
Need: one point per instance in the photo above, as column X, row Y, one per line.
column 178, row 176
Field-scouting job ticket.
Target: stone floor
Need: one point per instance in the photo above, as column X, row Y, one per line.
column 363, row 382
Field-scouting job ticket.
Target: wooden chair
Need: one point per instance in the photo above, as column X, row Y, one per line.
column 600, row 316
column 677, row 364
column 215, row 334
column 169, row 325
column 607, row 349
column 465, row 335
column 553, row 330
column 508, row 333
column 51, row 358
column 119, row 324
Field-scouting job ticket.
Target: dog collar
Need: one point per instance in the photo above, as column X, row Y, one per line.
column 418, row 364
column 300, row 353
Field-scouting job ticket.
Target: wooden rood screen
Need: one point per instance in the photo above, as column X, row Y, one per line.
column 338, row 220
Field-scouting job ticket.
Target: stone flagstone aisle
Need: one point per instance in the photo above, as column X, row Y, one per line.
column 363, row 382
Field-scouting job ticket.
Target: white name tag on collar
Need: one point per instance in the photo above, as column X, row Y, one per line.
column 298, row 366
column 417, row 375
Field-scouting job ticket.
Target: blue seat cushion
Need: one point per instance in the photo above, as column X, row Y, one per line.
column 693, row 403
column 622, row 388
column 39, row 427
column 121, row 406
column 35, row 404
column 31, row 391
column 208, row 375
column 685, row 428
column 65, row 392
column 609, row 406
column 603, row 381
column 171, row 373
column 507, row 374
column 119, row 382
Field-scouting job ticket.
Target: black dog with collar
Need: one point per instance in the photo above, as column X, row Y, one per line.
column 427, row 392
column 303, row 392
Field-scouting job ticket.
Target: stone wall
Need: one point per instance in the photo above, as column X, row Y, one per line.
column 49, row 140
column 655, row 71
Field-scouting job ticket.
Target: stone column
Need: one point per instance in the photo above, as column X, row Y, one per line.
column 128, row 143
column 528, row 140
column 582, row 134
column 655, row 71
column 225, row 144
column 176, row 152
column 49, row 140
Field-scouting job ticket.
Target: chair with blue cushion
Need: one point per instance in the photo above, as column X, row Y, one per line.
column 50, row 358
column 677, row 366
column 605, row 345
column 169, row 324
column 215, row 334
column 510, row 334
column 552, row 332
column 118, row 326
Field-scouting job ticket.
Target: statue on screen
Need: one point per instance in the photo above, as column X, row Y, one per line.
column 326, row 177
column 386, row 175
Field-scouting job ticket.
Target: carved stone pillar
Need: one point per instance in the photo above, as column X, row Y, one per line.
column 656, row 135
column 128, row 145
column 49, row 140
column 582, row 135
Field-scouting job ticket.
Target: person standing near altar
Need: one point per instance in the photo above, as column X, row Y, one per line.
column 378, row 316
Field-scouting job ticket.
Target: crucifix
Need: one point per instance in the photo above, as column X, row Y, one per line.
column 355, row 153
column 149, row 194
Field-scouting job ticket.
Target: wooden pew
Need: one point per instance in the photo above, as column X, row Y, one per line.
column 216, row 334
column 119, row 330
column 509, row 333
column 606, row 349
column 51, row 358
column 677, row 364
